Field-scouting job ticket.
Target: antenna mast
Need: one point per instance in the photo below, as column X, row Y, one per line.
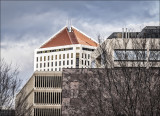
column 69, row 25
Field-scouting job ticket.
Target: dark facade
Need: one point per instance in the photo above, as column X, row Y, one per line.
column 150, row 32
column 7, row 112
column 147, row 32
column 108, row 92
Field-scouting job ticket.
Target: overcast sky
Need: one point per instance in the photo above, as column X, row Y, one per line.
column 25, row 25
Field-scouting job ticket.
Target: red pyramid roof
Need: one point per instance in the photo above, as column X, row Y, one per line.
column 66, row 37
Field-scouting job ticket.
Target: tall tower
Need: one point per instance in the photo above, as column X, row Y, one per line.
column 69, row 48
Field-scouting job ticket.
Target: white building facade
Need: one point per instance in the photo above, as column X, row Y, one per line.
column 69, row 56
column 124, row 50
column 73, row 50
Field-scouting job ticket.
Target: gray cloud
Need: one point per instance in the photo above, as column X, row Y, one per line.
column 27, row 24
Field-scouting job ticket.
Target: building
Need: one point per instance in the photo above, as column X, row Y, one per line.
column 69, row 48
column 42, row 94
column 124, row 50
column 147, row 32
column 111, row 91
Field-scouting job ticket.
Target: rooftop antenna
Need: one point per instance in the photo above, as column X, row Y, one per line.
column 126, row 33
column 122, row 33
column 69, row 24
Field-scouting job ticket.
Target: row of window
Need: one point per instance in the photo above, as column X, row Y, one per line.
column 55, row 69
column 154, row 55
column 48, row 97
column 85, row 62
column 87, row 56
column 55, row 57
column 56, row 63
column 47, row 112
column 60, row 69
column 87, row 49
column 55, row 50
column 64, row 49
column 60, row 56
column 137, row 55
column 60, row 63
column 48, row 81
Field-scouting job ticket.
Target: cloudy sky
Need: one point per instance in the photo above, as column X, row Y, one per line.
column 25, row 25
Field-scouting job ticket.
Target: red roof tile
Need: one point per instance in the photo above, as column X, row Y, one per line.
column 66, row 37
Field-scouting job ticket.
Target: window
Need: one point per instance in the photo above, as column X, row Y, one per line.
column 82, row 55
column 88, row 56
column 77, row 55
column 56, row 63
column 52, row 57
column 48, row 58
column 85, row 62
column 85, row 55
column 59, row 63
column 40, row 58
column 71, row 55
column 37, row 59
column 87, row 49
column 130, row 55
column 67, row 55
column 48, row 64
column 63, row 62
column 44, row 58
column 55, row 50
column 154, row 55
column 44, row 64
column 71, row 62
column 37, row 65
column 60, row 56
column 63, row 56
column 77, row 48
column 52, row 63
column 77, row 60
column 67, row 62
column 56, row 57
column 88, row 63
column 55, row 69
column 40, row 65
column 82, row 62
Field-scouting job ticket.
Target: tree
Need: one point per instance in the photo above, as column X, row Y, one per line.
column 127, row 85
column 22, row 107
column 132, row 78
column 131, row 82
column 9, row 84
